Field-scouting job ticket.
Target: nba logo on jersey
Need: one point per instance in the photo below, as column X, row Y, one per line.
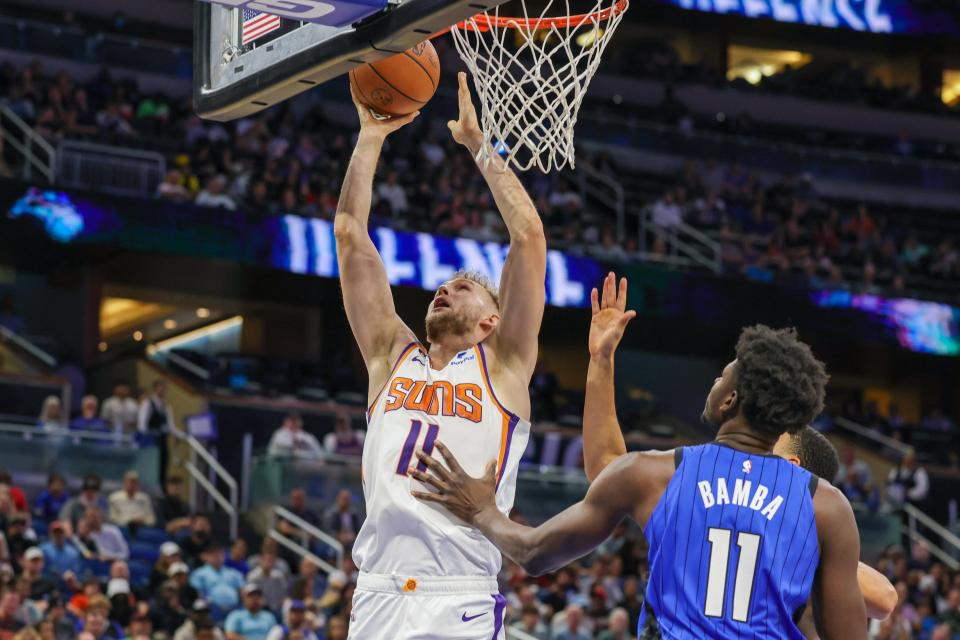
column 747, row 465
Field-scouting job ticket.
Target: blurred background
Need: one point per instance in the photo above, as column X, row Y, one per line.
column 173, row 345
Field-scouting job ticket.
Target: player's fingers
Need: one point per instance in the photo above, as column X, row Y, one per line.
column 429, row 479
column 448, row 458
column 594, row 301
column 626, row 318
column 426, row 496
column 433, row 464
column 609, row 292
column 622, row 295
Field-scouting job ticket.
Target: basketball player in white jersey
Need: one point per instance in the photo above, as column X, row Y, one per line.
column 424, row 573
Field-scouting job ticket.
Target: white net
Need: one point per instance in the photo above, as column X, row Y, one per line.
column 531, row 74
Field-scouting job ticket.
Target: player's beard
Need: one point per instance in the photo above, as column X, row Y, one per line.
column 447, row 323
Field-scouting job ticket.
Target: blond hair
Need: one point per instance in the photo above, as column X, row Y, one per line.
column 478, row 278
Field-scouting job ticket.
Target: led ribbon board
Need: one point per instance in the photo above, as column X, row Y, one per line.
column 337, row 13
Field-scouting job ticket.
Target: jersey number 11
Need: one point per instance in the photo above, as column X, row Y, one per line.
column 749, row 544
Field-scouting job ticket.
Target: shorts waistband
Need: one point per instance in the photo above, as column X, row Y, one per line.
column 427, row 585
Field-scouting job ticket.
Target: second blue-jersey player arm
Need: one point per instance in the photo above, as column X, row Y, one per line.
column 569, row 535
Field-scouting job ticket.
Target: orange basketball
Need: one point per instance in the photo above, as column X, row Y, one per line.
column 400, row 84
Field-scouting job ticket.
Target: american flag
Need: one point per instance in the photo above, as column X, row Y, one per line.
column 256, row 24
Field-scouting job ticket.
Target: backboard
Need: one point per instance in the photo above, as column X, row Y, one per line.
column 247, row 58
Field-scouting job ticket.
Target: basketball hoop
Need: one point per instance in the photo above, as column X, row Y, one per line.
column 531, row 89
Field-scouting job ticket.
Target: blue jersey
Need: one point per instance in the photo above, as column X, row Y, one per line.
column 733, row 547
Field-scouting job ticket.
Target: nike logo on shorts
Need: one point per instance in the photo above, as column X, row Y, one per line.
column 465, row 618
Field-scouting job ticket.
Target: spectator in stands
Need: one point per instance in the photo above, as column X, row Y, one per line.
column 290, row 440
column 11, row 617
column 173, row 512
column 140, row 627
column 89, row 418
column 213, row 194
column 16, row 493
column 855, row 479
column 908, row 482
column 345, row 440
column 572, row 627
column 105, row 537
column 217, row 584
column 180, row 575
column 156, row 418
column 33, row 572
column 297, row 622
column 394, row 194
column 341, row 518
column 169, row 556
column 616, row 626
column 936, row 420
column 950, row 615
column 50, row 501
column 167, row 612
column 96, row 620
column 172, row 187
column 19, row 537
column 120, row 411
column 298, row 507
column 253, row 622
column 61, row 558
column 269, row 546
column 667, row 214
column 122, row 601
column 129, row 506
column 76, row 508
column 199, row 624
column 237, row 558
column 271, row 580
column 530, row 623
column 51, row 415
column 337, row 628
column 197, row 542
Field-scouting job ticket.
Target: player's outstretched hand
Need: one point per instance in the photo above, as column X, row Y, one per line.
column 466, row 130
column 610, row 317
column 381, row 126
column 463, row 495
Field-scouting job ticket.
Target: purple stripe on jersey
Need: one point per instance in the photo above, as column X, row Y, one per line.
column 500, row 603
column 403, row 467
column 506, row 455
column 432, row 431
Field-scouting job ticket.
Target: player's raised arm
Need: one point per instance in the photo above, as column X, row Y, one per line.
column 366, row 290
column 879, row 595
column 522, row 294
column 602, row 439
column 837, row 602
column 617, row 491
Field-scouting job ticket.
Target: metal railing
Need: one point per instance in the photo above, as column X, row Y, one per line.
column 947, row 538
column 230, row 505
column 870, row 434
column 38, row 156
column 27, row 347
column 309, row 532
column 685, row 245
column 603, row 188
column 108, row 168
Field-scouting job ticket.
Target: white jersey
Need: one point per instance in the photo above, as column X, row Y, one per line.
column 418, row 405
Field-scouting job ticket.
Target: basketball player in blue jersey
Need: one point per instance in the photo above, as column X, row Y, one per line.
column 739, row 538
column 423, row 573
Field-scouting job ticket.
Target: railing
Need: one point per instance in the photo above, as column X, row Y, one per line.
column 108, row 168
column 516, row 634
column 27, row 347
column 302, row 548
column 605, row 189
column 869, row 434
column 686, row 246
column 229, row 505
column 915, row 516
column 37, row 154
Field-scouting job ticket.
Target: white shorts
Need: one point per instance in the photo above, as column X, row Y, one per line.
column 436, row 608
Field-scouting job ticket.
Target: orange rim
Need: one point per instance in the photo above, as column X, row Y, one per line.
column 484, row 22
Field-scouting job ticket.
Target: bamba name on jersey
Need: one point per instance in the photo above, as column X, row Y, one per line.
column 463, row 400
column 742, row 496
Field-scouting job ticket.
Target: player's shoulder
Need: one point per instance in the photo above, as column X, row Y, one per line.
column 830, row 506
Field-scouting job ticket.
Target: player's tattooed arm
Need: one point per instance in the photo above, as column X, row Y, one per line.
column 837, row 602
column 602, row 438
column 879, row 595
column 567, row 536
column 363, row 277
column 522, row 294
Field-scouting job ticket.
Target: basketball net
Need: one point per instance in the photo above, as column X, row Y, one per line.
column 531, row 74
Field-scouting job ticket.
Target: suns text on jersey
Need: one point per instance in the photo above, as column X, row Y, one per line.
column 744, row 495
column 463, row 400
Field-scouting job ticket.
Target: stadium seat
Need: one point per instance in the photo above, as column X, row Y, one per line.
column 145, row 551
column 140, row 572
column 40, row 528
column 153, row 535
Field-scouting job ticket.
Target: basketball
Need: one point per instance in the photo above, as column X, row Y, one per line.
column 400, row 84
